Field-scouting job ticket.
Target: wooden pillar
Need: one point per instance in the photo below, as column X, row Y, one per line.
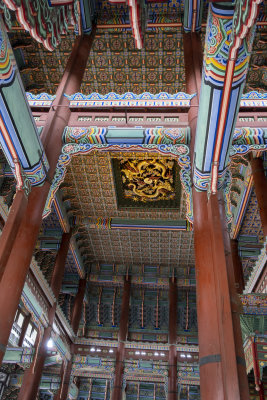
column 217, row 327
column 258, row 384
column 221, row 356
column 78, row 303
column 117, row 388
column 260, row 186
column 172, row 373
column 236, row 306
column 238, row 269
column 208, row 330
column 75, row 320
column 17, row 265
column 33, row 375
column 24, row 328
column 60, row 262
column 65, row 381
column 224, row 300
column 11, row 227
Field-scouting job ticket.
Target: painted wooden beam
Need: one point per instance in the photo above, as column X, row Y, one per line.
column 226, row 61
column 22, row 250
column 19, row 138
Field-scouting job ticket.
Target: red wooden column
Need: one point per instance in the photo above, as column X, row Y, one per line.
column 172, row 374
column 117, row 388
column 60, row 262
column 65, row 381
column 75, row 321
column 238, row 269
column 219, row 349
column 17, row 266
column 78, row 304
column 24, row 328
column 236, row 306
column 221, row 356
column 258, row 384
column 260, row 186
column 11, row 227
column 211, row 379
column 32, row 377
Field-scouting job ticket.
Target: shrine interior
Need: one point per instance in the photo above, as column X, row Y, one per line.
column 133, row 200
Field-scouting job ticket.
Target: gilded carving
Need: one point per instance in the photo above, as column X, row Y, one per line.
column 148, row 180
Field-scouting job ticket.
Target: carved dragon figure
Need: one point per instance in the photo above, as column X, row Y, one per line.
column 148, row 180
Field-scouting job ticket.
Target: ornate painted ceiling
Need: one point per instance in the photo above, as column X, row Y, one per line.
column 257, row 73
column 115, row 65
column 89, row 193
column 41, row 70
column 89, row 190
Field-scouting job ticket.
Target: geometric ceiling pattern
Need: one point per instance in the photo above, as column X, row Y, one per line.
column 40, row 69
column 169, row 11
column 88, row 193
column 89, row 190
column 115, row 65
column 257, row 73
column 141, row 247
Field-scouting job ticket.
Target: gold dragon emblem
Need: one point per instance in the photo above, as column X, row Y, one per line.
column 148, row 180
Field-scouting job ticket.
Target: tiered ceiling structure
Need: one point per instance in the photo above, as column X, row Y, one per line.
column 130, row 208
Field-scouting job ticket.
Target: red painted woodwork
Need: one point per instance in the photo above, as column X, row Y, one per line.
column 193, row 63
column 260, row 186
column 24, row 328
column 238, row 269
column 78, row 304
column 222, row 300
column 33, row 375
column 62, row 373
column 236, row 306
column 117, row 388
column 70, row 83
column 208, row 330
column 258, row 384
column 172, row 373
column 17, row 266
column 60, row 262
column 64, row 386
column 11, row 227
column 220, row 342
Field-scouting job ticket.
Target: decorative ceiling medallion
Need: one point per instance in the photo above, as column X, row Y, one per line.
column 147, row 183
